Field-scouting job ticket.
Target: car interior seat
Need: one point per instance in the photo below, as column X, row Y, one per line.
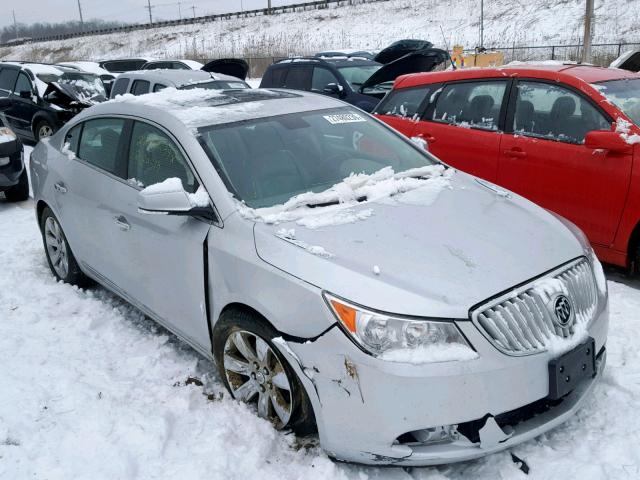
column 525, row 117
column 561, row 115
column 479, row 110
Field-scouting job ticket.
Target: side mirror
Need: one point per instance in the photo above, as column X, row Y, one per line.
column 606, row 140
column 27, row 94
column 170, row 198
column 334, row 89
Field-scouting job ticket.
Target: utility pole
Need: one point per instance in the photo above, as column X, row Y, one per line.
column 193, row 9
column 179, row 11
column 149, row 7
column 481, row 23
column 588, row 28
column 81, row 20
column 15, row 25
column 269, row 6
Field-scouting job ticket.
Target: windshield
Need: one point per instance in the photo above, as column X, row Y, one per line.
column 265, row 162
column 86, row 86
column 356, row 76
column 624, row 94
column 216, row 85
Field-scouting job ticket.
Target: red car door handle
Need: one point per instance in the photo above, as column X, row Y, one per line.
column 515, row 153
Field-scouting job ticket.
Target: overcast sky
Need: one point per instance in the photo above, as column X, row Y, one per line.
column 30, row 11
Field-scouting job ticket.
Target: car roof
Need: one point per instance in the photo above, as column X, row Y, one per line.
column 546, row 70
column 176, row 77
column 199, row 107
column 335, row 61
column 40, row 68
column 191, row 63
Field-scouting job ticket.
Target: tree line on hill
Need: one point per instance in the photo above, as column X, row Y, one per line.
column 45, row 29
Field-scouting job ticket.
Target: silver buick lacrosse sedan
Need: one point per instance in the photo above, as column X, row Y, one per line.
column 343, row 279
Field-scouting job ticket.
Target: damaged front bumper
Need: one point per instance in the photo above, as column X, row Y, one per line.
column 376, row 412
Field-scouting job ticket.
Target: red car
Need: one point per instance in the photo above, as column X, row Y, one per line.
column 563, row 136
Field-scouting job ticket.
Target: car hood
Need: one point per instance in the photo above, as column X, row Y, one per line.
column 400, row 49
column 236, row 67
column 473, row 242
column 415, row 62
column 66, row 96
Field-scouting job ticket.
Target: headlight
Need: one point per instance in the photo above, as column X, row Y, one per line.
column 401, row 339
column 6, row 134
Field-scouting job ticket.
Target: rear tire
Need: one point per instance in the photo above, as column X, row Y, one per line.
column 60, row 258
column 20, row 191
column 271, row 384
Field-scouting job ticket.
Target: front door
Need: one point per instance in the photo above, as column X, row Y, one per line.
column 23, row 109
column 162, row 256
column 462, row 127
column 545, row 159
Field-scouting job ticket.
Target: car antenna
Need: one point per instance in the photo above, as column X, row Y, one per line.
column 446, row 45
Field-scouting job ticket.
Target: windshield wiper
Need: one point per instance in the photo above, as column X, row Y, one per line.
column 334, row 202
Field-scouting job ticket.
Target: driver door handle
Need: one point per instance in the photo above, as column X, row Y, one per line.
column 428, row 137
column 60, row 187
column 515, row 153
column 122, row 223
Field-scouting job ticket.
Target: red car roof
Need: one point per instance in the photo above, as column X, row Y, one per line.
column 552, row 71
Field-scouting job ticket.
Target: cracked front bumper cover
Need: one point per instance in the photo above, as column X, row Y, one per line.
column 363, row 405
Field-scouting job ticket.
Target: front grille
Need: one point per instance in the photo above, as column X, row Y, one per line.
column 523, row 321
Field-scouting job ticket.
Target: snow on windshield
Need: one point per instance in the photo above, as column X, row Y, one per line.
column 88, row 87
column 334, row 206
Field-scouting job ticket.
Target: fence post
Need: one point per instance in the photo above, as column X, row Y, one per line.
column 553, row 52
column 619, row 49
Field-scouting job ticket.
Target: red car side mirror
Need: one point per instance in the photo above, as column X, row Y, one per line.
column 606, row 140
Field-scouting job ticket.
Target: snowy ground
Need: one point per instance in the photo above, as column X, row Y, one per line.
column 90, row 389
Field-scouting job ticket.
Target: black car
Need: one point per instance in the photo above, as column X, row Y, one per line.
column 356, row 80
column 37, row 99
column 13, row 175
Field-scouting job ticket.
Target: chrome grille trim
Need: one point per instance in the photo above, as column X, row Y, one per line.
column 520, row 322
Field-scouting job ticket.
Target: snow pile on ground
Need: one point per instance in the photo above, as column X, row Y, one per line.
column 92, row 390
column 334, row 206
column 362, row 27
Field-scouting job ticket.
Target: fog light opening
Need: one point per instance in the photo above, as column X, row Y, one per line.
column 429, row 436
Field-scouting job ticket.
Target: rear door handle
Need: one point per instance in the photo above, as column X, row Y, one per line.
column 428, row 137
column 122, row 223
column 60, row 187
column 515, row 153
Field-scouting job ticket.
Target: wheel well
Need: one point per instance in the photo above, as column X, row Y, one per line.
column 39, row 209
column 37, row 119
column 632, row 247
column 241, row 307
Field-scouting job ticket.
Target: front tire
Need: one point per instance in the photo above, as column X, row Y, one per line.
column 20, row 191
column 44, row 129
column 254, row 371
column 60, row 258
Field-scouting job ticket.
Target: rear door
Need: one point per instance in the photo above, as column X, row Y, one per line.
column 23, row 109
column 463, row 125
column 161, row 257
column 8, row 77
column 543, row 157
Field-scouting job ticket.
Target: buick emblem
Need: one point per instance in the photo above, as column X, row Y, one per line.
column 562, row 311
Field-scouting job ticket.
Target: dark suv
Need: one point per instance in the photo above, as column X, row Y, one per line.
column 37, row 99
column 356, row 80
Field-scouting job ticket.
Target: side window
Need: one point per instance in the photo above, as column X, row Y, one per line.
column 321, row 77
column 554, row 112
column 470, row 104
column 178, row 66
column 73, row 138
column 140, row 87
column 154, row 157
column 299, row 78
column 119, row 87
column 277, row 77
column 99, row 144
column 404, row 102
column 158, row 86
column 8, row 78
column 23, row 84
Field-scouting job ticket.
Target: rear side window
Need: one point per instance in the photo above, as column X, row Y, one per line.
column 72, row 138
column 8, row 78
column 99, row 144
column 119, row 87
column 299, row 78
column 140, row 87
column 405, row 102
column 158, row 86
column 471, row 104
column 274, row 77
column 23, row 84
column 154, row 157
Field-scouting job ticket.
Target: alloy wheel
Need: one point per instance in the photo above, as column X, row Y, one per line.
column 56, row 247
column 45, row 131
column 255, row 374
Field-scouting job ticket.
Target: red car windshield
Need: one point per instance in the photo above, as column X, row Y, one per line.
column 624, row 94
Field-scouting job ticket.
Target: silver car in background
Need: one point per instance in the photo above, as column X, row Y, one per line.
column 341, row 277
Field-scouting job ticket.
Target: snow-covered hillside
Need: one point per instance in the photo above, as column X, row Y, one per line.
column 371, row 25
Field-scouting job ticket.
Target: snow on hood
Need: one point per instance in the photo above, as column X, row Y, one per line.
column 427, row 258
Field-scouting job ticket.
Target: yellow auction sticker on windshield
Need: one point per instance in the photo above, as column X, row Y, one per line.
column 344, row 118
